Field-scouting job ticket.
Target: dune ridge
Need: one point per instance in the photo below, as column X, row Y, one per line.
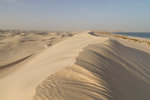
column 25, row 79
column 107, row 71
column 82, row 67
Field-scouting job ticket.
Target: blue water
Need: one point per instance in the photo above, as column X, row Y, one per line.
column 134, row 34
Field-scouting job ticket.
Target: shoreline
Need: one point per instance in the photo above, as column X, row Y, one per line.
column 135, row 39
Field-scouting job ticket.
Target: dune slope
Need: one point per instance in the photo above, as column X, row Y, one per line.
column 82, row 67
column 104, row 71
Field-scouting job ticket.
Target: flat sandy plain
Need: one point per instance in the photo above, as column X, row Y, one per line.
column 72, row 66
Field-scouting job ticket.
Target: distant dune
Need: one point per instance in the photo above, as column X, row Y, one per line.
column 83, row 66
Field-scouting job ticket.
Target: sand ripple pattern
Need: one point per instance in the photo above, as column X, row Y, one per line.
column 101, row 72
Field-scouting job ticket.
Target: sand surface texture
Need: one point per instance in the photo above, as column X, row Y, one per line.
column 80, row 66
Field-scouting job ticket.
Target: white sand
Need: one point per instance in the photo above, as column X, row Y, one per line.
column 82, row 67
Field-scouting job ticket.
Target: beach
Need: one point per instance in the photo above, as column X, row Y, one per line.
column 73, row 66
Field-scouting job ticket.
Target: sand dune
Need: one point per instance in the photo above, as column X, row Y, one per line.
column 105, row 71
column 16, row 46
column 82, row 67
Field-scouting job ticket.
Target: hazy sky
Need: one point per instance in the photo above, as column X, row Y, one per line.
column 125, row 15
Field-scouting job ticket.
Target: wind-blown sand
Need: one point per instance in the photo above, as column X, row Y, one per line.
column 82, row 67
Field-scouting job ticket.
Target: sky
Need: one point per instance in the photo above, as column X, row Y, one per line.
column 73, row 15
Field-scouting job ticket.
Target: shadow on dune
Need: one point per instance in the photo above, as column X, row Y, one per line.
column 14, row 63
column 106, row 71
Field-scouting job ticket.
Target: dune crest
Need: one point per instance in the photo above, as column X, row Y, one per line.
column 82, row 67
column 25, row 79
column 104, row 71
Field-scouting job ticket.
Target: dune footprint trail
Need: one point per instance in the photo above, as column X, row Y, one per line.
column 83, row 67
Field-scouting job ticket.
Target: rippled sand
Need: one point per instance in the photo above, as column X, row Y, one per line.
column 70, row 66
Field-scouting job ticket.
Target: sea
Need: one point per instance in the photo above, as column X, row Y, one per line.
column 134, row 34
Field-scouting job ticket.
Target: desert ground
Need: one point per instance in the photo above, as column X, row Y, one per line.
column 37, row 65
